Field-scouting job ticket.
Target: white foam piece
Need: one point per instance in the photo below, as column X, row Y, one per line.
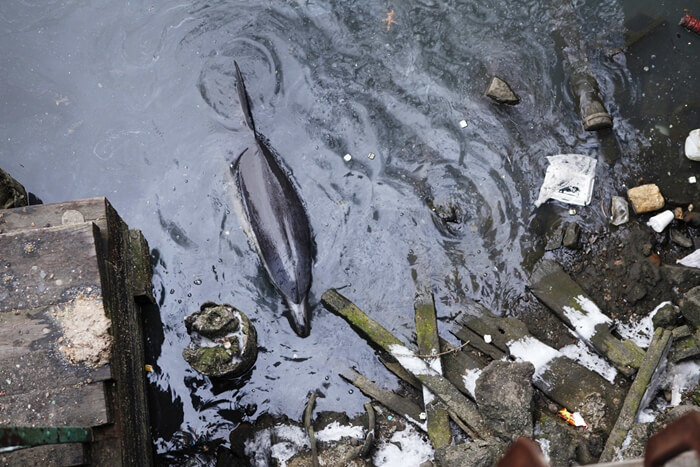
column 692, row 145
column 586, row 318
column 692, row 260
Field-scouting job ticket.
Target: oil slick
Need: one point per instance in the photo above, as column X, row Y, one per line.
column 274, row 219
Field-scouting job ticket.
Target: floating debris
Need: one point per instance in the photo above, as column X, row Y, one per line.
column 347, row 157
column 371, row 156
column 463, row 124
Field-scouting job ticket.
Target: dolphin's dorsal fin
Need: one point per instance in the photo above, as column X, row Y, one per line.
column 243, row 98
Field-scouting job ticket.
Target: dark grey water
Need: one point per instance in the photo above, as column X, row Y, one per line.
column 136, row 101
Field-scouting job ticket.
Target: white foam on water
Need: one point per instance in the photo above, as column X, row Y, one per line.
column 414, row 449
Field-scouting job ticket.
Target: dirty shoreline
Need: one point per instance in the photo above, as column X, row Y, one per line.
column 418, row 135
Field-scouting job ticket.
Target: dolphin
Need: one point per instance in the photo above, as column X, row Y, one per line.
column 276, row 220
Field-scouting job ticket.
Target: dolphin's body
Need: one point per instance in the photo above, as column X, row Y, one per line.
column 277, row 221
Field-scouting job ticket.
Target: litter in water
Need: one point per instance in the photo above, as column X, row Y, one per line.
column 569, row 179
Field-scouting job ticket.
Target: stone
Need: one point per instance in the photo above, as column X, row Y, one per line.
column 668, row 316
column 558, row 440
column 681, row 239
column 477, row 454
column 504, row 396
column 690, row 306
column 12, row 193
column 571, row 235
column 223, row 341
column 620, row 211
column 663, row 420
column 685, row 348
column 645, row 198
column 680, row 276
column 501, row 92
column 554, row 236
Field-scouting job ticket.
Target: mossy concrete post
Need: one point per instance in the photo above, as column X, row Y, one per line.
column 652, row 365
column 453, row 399
column 428, row 342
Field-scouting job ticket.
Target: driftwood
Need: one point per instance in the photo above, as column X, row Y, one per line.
column 563, row 380
column 397, row 404
column 652, row 365
column 438, row 420
column 570, row 303
column 453, row 399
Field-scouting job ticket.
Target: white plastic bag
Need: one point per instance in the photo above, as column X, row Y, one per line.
column 569, row 179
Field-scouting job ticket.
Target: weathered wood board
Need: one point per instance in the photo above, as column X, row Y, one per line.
column 563, row 380
column 68, row 269
column 51, row 455
column 570, row 303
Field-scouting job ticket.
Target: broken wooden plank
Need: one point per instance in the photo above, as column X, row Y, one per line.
column 379, row 336
column 396, row 368
column 397, row 404
column 48, row 267
column 51, row 455
column 460, row 368
column 141, row 273
column 559, row 377
column 570, row 303
column 651, row 367
column 438, row 420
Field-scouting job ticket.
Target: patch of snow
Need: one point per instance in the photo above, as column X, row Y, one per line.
column 585, row 318
column 594, row 362
column 409, row 360
column 545, row 447
column 469, row 377
column 414, row 449
column 642, row 331
column 681, row 378
column 531, row 350
column 336, row 431
column 290, row 440
column 646, row 416
column 428, row 396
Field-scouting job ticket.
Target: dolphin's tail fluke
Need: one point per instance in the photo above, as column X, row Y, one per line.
column 243, row 98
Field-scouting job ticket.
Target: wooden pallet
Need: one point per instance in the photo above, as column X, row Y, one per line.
column 68, row 272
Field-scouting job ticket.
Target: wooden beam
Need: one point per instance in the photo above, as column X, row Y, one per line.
column 453, row 399
column 438, row 419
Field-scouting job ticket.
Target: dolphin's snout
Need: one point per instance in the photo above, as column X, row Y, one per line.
column 300, row 319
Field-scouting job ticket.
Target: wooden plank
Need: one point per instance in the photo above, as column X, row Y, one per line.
column 652, row 366
column 396, row 368
column 397, row 404
column 563, row 380
column 57, row 455
column 80, row 405
column 453, row 399
column 30, row 359
column 570, row 303
column 438, row 419
column 141, row 274
column 476, row 341
column 53, row 215
column 460, row 368
column 49, row 266
column 128, row 362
